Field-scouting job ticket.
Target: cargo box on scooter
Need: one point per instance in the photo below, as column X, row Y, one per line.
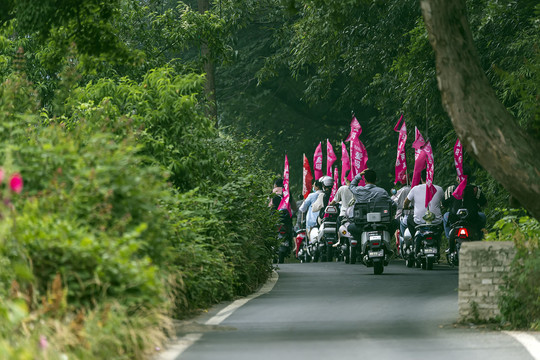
column 383, row 207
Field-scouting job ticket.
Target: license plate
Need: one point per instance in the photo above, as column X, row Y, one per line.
column 430, row 251
column 377, row 253
column 375, row 237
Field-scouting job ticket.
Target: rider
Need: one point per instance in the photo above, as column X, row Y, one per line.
column 399, row 199
column 306, row 207
column 344, row 197
column 471, row 199
column 417, row 196
column 368, row 193
column 327, row 183
column 363, row 194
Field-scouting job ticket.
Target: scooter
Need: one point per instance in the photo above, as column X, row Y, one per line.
column 303, row 252
column 427, row 237
column 325, row 236
column 371, row 224
column 350, row 244
column 461, row 231
column 403, row 238
column 406, row 247
column 285, row 240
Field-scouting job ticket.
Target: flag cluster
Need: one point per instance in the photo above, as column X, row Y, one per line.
column 354, row 161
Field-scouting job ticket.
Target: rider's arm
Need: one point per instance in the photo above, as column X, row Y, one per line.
column 406, row 203
column 305, row 205
column 356, row 180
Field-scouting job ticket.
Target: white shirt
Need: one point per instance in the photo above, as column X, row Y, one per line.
column 417, row 196
column 399, row 199
column 344, row 196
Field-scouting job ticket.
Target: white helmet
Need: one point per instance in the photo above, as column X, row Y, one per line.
column 327, row 181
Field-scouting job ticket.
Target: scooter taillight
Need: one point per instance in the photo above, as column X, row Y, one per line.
column 429, row 238
column 463, row 233
column 375, row 244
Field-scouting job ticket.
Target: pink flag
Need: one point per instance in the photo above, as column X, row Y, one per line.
column 401, row 162
column 419, row 165
column 458, row 193
column 430, row 172
column 419, row 141
column 307, row 178
column 419, row 157
column 345, row 163
column 359, row 158
column 458, row 159
column 335, row 187
column 356, row 129
column 330, row 157
column 317, row 162
column 285, row 203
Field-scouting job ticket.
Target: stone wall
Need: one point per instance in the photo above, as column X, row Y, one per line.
column 482, row 266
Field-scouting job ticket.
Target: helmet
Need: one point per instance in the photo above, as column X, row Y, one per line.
column 327, row 181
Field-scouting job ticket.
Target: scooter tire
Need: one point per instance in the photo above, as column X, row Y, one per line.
column 378, row 268
column 429, row 264
column 353, row 255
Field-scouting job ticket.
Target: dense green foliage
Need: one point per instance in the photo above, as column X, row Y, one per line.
column 520, row 299
column 137, row 208
column 373, row 57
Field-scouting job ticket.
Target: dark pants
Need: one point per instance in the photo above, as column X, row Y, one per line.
column 411, row 225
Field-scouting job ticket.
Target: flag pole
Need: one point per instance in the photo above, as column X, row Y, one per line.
column 427, row 137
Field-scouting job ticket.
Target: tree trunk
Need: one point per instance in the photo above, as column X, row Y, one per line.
column 484, row 126
column 210, row 85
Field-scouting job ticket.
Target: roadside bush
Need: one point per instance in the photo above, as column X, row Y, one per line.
column 520, row 299
column 135, row 209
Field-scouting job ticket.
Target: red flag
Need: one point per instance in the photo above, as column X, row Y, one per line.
column 285, row 203
column 356, row 129
column 317, row 162
column 330, row 157
column 401, row 162
column 335, row 187
column 430, row 172
column 307, row 178
column 345, row 163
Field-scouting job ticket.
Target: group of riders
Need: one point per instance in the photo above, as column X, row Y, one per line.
column 408, row 205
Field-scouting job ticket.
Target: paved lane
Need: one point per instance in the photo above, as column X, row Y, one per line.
column 340, row 311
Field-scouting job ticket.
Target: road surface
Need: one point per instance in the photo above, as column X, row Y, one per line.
column 340, row 311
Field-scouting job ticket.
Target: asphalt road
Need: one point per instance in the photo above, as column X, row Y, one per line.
column 340, row 311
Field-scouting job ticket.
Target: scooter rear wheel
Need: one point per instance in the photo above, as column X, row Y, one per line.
column 378, row 268
column 430, row 262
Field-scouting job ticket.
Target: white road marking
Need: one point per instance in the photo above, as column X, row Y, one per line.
column 179, row 346
column 183, row 343
column 528, row 341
